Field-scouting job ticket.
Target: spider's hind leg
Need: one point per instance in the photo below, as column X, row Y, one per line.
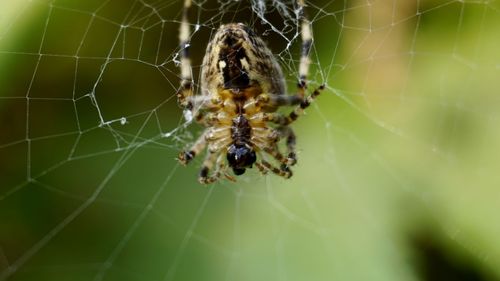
column 265, row 166
column 290, row 144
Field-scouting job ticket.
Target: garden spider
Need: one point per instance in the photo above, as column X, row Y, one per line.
column 242, row 86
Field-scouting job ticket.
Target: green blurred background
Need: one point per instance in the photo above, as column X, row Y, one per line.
column 398, row 173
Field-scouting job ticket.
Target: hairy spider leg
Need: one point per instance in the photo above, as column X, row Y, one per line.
column 187, row 155
column 285, row 120
column 265, row 166
column 290, row 143
column 307, row 39
column 220, row 169
column 186, row 88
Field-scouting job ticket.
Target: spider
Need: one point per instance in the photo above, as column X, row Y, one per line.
column 242, row 86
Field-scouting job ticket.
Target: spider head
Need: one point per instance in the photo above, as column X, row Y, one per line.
column 240, row 157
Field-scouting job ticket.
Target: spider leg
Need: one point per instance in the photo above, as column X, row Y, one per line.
column 261, row 168
column 307, row 39
column 209, row 119
column 290, row 143
column 274, row 152
column 186, row 88
column 283, row 171
column 211, row 157
column 187, row 155
column 306, row 35
column 207, row 111
column 283, row 120
column 273, row 100
column 299, row 110
column 266, row 139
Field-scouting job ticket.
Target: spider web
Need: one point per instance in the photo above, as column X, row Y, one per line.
column 404, row 140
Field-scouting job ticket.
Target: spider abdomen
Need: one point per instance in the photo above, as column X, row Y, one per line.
column 237, row 59
column 233, row 66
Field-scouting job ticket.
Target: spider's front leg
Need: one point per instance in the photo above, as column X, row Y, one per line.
column 283, row 120
column 211, row 157
column 216, row 138
column 299, row 99
column 186, row 88
column 274, row 100
column 187, row 155
column 208, row 163
column 307, row 39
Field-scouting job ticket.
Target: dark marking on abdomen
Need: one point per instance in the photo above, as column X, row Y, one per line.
column 234, row 74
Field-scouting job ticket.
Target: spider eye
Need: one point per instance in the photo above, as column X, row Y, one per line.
column 240, row 157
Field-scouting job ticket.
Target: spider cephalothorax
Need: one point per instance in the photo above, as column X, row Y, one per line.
column 242, row 86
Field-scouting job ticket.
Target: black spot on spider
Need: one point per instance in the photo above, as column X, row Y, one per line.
column 234, row 74
column 204, row 172
column 189, row 155
column 229, row 41
column 185, row 50
column 302, row 82
column 304, row 104
column 306, row 47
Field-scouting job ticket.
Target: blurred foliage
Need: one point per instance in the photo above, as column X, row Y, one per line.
column 397, row 176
